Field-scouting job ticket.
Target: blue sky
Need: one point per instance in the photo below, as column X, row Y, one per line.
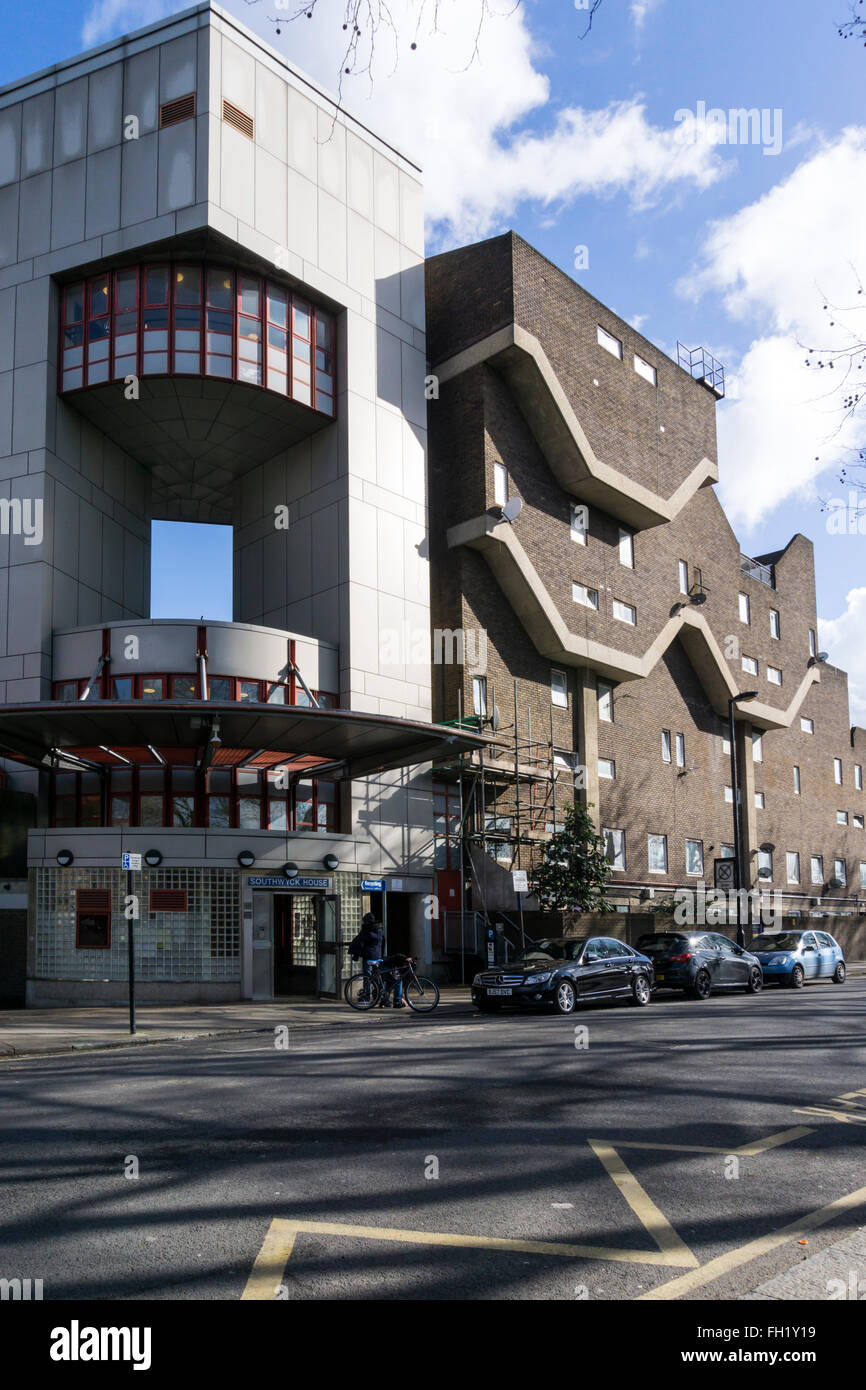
column 575, row 143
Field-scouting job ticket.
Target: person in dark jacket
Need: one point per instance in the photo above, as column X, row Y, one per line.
column 369, row 944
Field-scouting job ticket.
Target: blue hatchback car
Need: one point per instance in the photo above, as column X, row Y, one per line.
column 793, row 957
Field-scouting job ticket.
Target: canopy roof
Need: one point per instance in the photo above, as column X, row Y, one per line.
column 341, row 743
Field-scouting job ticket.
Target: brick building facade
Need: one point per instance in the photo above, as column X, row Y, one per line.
column 617, row 603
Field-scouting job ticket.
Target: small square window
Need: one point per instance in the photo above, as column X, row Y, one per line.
column 609, row 343
column 841, row 817
column 807, row 726
column 645, row 370
column 760, row 801
column 624, row 612
column 750, row 665
column 857, row 821
column 586, row 597
column 774, row 675
column 607, row 769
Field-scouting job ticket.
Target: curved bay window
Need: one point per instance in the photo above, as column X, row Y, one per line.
column 227, row 688
column 200, row 320
column 222, row 798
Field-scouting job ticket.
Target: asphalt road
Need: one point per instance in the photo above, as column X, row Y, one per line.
column 350, row 1127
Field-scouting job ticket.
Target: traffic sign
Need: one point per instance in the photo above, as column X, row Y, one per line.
column 520, row 879
column 724, row 873
column 130, row 861
column 373, row 885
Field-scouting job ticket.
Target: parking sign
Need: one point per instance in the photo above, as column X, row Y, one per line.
column 130, row 861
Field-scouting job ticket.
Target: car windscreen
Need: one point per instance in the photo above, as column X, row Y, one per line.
column 778, row 941
column 661, row 944
column 550, row 950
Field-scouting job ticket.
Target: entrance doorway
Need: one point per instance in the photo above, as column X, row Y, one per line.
column 306, row 944
column 295, row 944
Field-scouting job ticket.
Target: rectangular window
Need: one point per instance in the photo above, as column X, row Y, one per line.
column 774, row 675
column 745, row 609
column 559, row 689
column 579, row 523
column 729, row 795
column 750, row 665
column 796, row 781
column 614, row 844
column 609, row 343
column 816, row 865
column 726, row 852
column 757, row 748
column 863, row 873
column 813, row 642
column 726, row 746
column 183, row 796
column 841, row 817
column 657, row 853
column 644, row 369
column 684, row 576
column 680, row 747
column 125, row 323
column 93, row 919
column 695, row 858
column 151, row 796
column 760, row 801
column 152, row 687
column 73, row 337
column 807, row 726
column 624, row 612
column 858, row 776
column 302, row 351
column 857, row 821
column 479, row 696
column 775, row 629
column 500, row 484
column 582, row 594
column 183, row 687
column 837, row 771
column 840, row 870
column 792, row 861
column 277, row 354
column 249, row 367
column 626, row 548
column 325, row 359
column 155, row 320
column 666, row 745
column 765, row 864
column 605, row 701
column 607, row 769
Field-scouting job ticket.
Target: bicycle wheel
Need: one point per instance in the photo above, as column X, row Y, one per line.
column 420, row 994
column 362, row 991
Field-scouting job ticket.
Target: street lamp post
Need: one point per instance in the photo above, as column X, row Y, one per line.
column 738, row 873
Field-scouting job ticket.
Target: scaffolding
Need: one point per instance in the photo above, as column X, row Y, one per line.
column 512, row 798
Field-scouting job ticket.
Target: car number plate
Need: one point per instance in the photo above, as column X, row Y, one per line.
column 659, row 977
column 499, row 991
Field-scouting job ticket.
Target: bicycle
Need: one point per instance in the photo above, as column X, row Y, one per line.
column 363, row 992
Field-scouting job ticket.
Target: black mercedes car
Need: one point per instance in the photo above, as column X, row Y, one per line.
column 700, row 961
column 563, row 972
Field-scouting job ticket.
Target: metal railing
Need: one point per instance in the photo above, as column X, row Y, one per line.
column 765, row 574
column 703, row 367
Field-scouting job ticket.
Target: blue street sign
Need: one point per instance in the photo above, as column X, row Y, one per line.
column 372, row 885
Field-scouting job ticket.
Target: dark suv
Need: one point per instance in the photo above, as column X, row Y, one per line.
column 566, row 971
column 700, row 962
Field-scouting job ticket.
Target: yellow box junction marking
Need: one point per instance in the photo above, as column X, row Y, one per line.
column 269, row 1268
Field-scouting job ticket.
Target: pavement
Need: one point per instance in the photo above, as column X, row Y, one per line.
column 32, row 1032
column 686, row 1151
column 29, row 1032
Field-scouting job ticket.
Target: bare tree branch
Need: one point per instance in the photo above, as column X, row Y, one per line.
column 855, row 27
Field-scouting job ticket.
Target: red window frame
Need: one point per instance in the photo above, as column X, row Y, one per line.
column 115, row 315
column 93, row 911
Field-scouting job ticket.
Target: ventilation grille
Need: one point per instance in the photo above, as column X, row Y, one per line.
column 239, row 119
column 168, row 900
column 181, row 109
column 93, row 900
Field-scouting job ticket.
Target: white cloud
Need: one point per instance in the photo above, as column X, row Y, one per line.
column 842, row 639
column 776, row 264
column 465, row 119
column 106, row 19
column 640, row 9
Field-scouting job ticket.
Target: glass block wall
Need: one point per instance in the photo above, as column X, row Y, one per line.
column 202, row 943
column 348, row 887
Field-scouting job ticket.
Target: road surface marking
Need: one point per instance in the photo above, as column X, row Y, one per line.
column 787, row 1136
column 270, row 1263
column 644, row 1208
column 734, row 1259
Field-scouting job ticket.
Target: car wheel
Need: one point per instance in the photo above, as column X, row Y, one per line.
column 756, row 981
column 798, row 978
column 702, row 985
column 640, row 991
column 839, row 973
column 564, row 997
column 488, row 1006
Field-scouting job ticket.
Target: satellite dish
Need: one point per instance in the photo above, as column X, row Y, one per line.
column 512, row 509
column 822, row 656
column 699, row 598
column 494, row 718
